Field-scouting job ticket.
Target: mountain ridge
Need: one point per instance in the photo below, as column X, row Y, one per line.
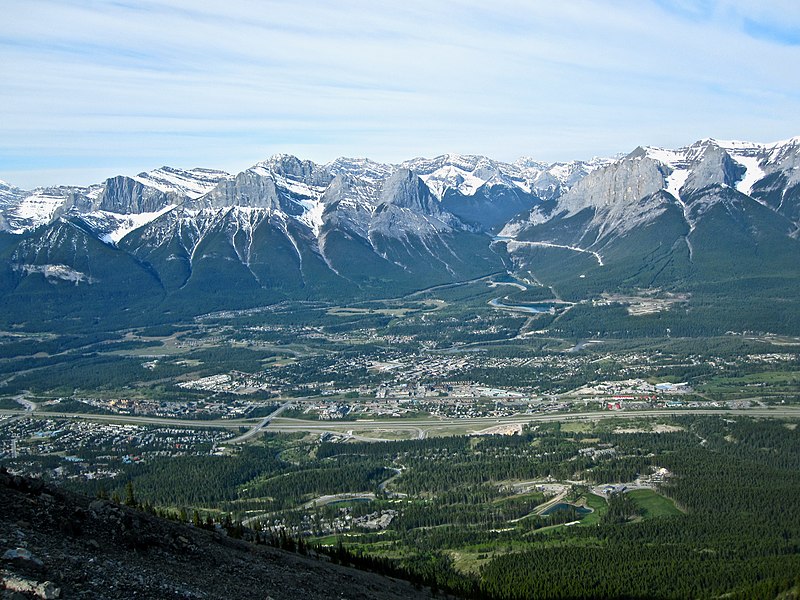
column 192, row 184
column 287, row 228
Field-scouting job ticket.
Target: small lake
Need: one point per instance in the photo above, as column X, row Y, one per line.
column 579, row 510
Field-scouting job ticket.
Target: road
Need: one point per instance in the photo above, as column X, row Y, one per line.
column 483, row 422
column 386, row 482
column 132, row 419
column 418, row 427
column 264, row 422
column 26, row 404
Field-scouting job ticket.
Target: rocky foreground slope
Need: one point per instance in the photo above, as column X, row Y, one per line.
column 55, row 544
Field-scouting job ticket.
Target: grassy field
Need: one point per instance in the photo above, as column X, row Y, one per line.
column 388, row 434
column 576, row 427
column 753, row 384
column 653, row 504
column 470, row 560
column 399, row 309
column 598, row 505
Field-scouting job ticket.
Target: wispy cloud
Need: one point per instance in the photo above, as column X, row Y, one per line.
column 96, row 84
column 776, row 21
column 774, row 32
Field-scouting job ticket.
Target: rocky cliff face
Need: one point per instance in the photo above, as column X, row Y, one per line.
column 125, row 195
column 713, row 167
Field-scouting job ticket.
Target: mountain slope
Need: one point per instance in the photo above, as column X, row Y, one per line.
column 64, row 271
column 681, row 221
column 274, row 232
column 97, row 549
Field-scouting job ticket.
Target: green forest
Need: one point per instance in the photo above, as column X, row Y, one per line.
column 724, row 522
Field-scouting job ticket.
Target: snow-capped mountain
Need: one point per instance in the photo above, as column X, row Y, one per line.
column 9, row 194
column 466, row 174
column 191, row 183
column 292, row 224
column 292, row 228
column 148, row 194
column 24, row 211
column 712, row 210
column 624, row 194
column 111, row 208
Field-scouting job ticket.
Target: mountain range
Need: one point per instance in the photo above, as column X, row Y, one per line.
column 716, row 220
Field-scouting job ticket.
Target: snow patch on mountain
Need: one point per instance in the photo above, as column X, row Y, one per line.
column 299, row 188
column 675, row 182
column 58, row 272
column 753, row 173
column 451, row 177
column 312, row 217
column 672, row 158
column 191, row 183
column 34, row 210
column 117, row 226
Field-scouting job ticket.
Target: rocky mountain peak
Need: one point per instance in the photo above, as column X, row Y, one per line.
column 621, row 183
column 784, row 157
column 125, row 195
column 527, row 162
column 406, row 190
column 291, row 167
column 638, row 152
column 713, row 166
column 249, row 188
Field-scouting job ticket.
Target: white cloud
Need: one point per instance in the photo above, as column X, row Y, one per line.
column 136, row 84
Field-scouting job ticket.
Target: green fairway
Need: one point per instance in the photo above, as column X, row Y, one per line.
column 599, row 507
column 653, row 504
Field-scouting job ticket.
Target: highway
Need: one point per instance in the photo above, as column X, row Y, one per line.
column 264, row 422
column 418, row 428
column 483, row 422
column 133, row 419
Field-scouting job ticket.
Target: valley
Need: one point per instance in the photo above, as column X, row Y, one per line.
column 425, row 355
column 434, row 431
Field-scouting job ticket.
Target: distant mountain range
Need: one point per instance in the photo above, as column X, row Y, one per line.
column 715, row 219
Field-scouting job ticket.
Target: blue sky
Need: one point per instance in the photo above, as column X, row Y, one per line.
column 94, row 88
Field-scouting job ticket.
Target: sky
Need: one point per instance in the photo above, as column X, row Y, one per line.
column 94, row 88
